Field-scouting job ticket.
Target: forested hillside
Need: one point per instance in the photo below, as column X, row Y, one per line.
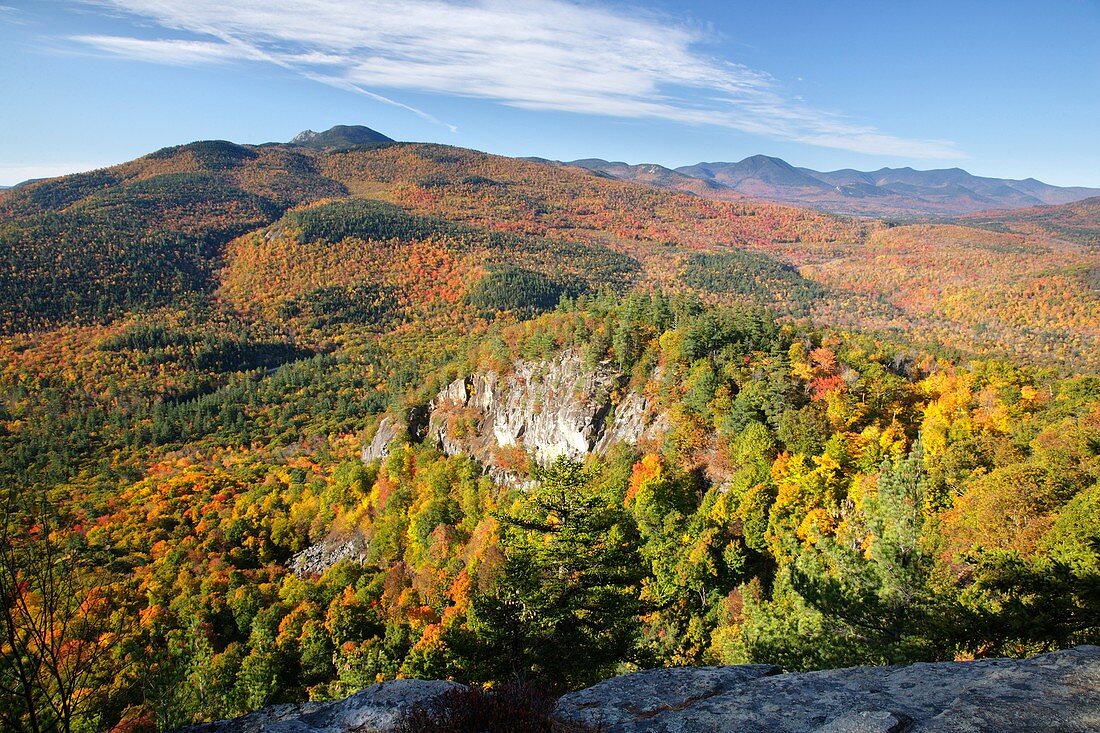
column 878, row 444
column 89, row 247
column 186, row 221
column 1077, row 222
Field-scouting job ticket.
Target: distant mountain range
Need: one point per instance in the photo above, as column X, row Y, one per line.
column 903, row 192
column 899, row 193
column 658, row 175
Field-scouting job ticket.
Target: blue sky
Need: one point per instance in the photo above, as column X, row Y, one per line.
column 1000, row 88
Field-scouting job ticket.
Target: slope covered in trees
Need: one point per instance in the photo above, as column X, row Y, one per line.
column 1076, row 222
column 974, row 291
column 425, row 263
column 277, row 227
column 186, row 401
column 818, row 500
column 89, row 247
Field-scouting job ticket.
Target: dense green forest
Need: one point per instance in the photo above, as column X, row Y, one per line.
column 175, row 431
column 819, row 500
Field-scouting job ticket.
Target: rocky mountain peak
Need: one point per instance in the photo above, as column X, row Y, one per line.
column 340, row 136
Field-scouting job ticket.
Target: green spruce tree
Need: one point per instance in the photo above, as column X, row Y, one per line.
column 565, row 609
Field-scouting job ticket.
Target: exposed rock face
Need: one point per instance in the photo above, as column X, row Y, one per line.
column 376, row 709
column 316, row 559
column 631, row 421
column 1052, row 692
column 379, row 447
column 619, row 702
column 551, row 408
column 548, row 408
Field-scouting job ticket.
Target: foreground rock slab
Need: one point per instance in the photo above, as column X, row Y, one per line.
column 1053, row 692
column 620, row 702
column 376, row 709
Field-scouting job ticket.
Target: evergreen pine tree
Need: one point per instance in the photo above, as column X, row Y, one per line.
column 565, row 608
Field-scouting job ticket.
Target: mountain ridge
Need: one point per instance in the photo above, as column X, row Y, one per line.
column 215, row 217
column 1077, row 221
column 905, row 192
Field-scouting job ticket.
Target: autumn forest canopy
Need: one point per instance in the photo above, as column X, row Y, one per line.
column 867, row 442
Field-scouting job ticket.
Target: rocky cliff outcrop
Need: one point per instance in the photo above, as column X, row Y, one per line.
column 547, row 408
column 551, row 408
column 1051, row 693
column 379, row 446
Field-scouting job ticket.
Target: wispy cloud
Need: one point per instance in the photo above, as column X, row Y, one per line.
column 531, row 54
column 12, row 15
column 163, row 51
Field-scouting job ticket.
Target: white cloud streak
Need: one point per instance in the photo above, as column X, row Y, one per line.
column 173, row 52
column 531, row 54
column 11, row 15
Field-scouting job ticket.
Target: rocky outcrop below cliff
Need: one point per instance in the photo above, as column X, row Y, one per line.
column 337, row 546
column 1057, row 692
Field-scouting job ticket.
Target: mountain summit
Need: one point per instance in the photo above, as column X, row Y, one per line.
column 341, row 136
column 758, row 175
